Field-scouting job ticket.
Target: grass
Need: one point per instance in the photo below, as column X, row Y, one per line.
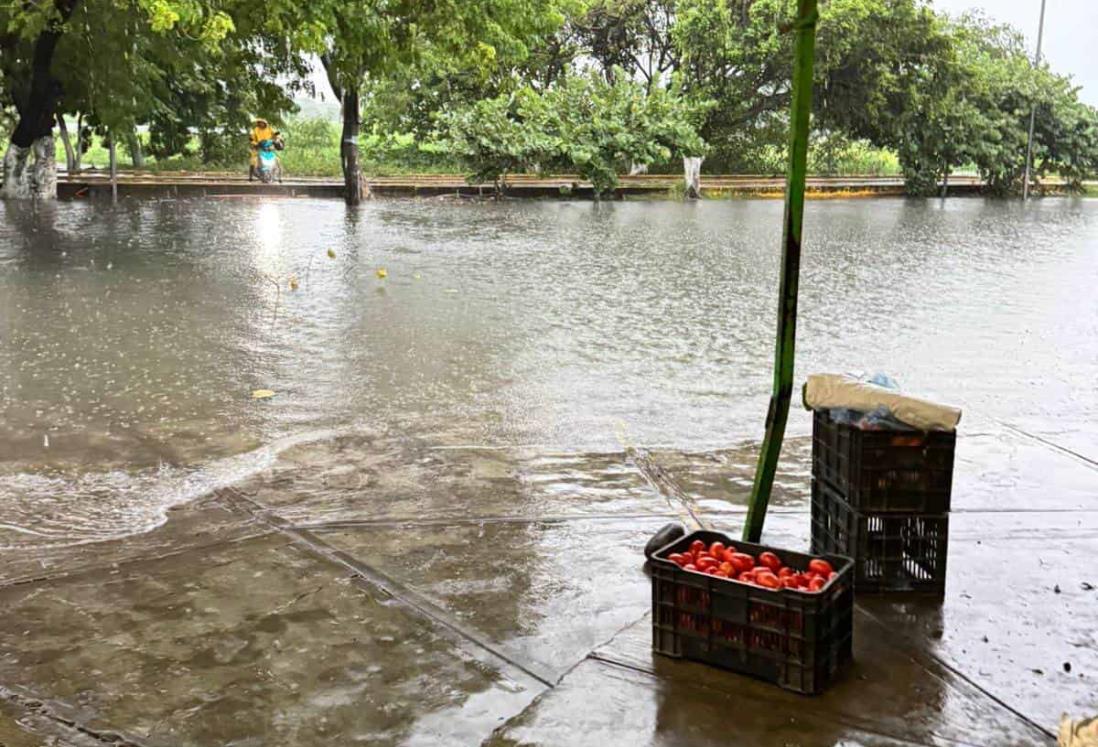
column 312, row 149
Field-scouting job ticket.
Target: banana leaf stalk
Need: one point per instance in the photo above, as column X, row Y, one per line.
column 804, row 48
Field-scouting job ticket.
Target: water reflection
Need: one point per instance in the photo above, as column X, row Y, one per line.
column 268, row 239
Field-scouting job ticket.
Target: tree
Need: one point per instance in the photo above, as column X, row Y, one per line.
column 497, row 136
column 603, row 128
column 370, row 40
column 732, row 52
column 1004, row 88
column 632, row 36
column 28, row 46
column 583, row 123
column 44, row 65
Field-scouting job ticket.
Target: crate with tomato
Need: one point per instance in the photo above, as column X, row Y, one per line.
column 779, row 615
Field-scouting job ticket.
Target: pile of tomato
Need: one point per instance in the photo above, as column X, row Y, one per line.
column 767, row 570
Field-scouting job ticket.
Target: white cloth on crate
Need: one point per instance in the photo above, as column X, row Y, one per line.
column 829, row 391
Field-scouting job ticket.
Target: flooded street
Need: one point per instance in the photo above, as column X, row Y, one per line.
column 131, row 338
column 393, row 549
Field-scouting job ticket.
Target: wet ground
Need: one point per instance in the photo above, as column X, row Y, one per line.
column 430, row 534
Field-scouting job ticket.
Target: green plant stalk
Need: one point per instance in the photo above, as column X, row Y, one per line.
column 804, row 50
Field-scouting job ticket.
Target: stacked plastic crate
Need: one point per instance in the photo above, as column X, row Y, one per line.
column 882, row 498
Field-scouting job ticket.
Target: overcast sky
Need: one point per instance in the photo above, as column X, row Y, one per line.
column 1071, row 33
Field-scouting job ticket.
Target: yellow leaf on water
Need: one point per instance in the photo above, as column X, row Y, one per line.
column 293, row 282
column 262, row 394
column 382, row 272
column 332, row 253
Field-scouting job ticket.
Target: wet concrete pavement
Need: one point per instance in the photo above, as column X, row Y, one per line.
column 373, row 589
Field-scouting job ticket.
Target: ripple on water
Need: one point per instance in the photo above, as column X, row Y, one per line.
column 53, row 510
column 142, row 328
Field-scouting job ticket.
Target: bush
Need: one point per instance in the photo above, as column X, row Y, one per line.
column 584, row 124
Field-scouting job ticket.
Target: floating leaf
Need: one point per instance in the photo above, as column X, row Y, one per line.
column 293, row 282
column 262, row 394
column 382, row 273
column 332, row 253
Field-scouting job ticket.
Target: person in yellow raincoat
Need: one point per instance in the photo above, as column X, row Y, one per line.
column 260, row 132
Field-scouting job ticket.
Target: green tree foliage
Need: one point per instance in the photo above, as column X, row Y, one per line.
column 178, row 84
column 940, row 93
column 498, row 79
column 182, row 67
column 370, row 39
column 1000, row 89
column 586, row 124
column 99, row 59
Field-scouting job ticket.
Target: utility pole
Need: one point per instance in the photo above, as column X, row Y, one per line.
column 1033, row 111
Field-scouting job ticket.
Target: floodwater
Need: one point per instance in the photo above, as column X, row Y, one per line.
column 132, row 337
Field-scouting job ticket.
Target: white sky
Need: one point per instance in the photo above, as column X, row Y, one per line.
column 1071, row 33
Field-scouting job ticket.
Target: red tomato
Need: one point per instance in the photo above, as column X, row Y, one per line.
column 770, row 560
column 748, row 577
column 727, row 568
column 816, row 584
column 820, row 566
column 716, row 549
column 677, row 557
column 789, row 582
column 785, row 572
column 705, row 562
column 722, row 573
column 690, row 567
column 706, row 556
column 742, row 561
column 728, row 553
column 711, row 570
column 768, row 580
column 697, row 547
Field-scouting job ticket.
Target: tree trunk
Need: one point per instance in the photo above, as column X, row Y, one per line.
column 33, row 133
column 45, row 168
column 30, row 173
column 70, row 154
column 79, row 140
column 18, row 184
column 353, row 184
column 137, row 156
column 113, row 155
column 691, row 167
column 348, row 147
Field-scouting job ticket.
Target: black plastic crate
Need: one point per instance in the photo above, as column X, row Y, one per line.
column 902, row 471
column 798, row 640
column 891, row 552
